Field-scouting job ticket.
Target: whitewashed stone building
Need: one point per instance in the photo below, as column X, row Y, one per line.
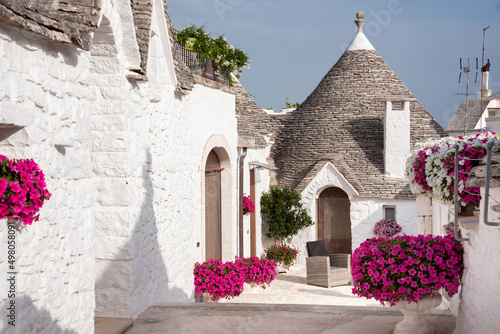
column 125, row 134
column 471, row 115
column 147, row 161
column 345, row 147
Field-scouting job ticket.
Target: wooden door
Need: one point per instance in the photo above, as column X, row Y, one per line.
column 213, row 237
column 334, row 220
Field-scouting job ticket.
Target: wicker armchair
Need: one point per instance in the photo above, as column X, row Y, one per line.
column 325, row 269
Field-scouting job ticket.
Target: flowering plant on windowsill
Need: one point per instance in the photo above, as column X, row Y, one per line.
column 386, row 228
column 248, row 205
column 22, row 189
column 220, row 280
column 255, row 270
column 406, row 267
column 284, row 254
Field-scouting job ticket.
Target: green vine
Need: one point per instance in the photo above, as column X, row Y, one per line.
column 229, row 58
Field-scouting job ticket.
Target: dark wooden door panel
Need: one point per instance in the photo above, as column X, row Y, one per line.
column 334, row 220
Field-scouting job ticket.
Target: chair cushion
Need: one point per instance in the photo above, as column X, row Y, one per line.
column 316, row 248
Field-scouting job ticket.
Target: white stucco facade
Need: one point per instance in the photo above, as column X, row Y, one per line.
column 44, row 114
column 480, row 296
column 124, row 161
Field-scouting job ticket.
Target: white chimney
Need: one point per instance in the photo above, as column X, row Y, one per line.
column 396, row 139
column 485, row 92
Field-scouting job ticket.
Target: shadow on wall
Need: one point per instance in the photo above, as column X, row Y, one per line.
column 369, row 135
column 140, row 267
column 39, row 319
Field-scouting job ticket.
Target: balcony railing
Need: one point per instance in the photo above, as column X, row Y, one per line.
column 204, row 67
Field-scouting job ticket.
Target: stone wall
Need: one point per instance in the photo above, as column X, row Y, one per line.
column 480, row 295
column 150, row 203
column 44, row 115
column 67, row 21
column 125, row 162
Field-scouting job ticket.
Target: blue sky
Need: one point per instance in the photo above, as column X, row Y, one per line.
column 292, row 44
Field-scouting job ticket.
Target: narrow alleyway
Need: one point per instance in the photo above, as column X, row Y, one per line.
column 288, row 306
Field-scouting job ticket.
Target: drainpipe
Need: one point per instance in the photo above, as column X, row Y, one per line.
column 240, row 202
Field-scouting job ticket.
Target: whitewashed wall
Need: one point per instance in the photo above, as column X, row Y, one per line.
column 128, row 180
column 44, row 102
column 149, row 175
column 480, row 302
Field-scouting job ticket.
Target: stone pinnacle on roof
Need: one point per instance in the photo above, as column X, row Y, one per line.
column 360, row 42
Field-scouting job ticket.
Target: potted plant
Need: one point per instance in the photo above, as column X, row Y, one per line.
column 407, row 269
column 386, row 228
column 248, row 205
column 431, row 167
column 22, row 189
column 257, row 272
column 215, row 279
column 283, row 255
column 285, row 218
column 224, row 55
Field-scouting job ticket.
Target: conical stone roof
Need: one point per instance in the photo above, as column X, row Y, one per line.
column 342, row 122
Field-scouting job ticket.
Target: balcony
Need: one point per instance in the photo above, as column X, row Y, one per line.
column 207, row 68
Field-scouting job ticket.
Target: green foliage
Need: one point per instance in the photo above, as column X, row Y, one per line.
column 292, row 105
column 218, row 49
column 285, row 214
column 285, row 254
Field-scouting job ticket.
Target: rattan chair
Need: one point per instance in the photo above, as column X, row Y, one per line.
column 325, row 269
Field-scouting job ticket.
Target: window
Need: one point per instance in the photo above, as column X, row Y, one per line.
column 390, row 212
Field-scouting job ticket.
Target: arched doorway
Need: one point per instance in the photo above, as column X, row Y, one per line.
column 213, row 212
column 334, row 220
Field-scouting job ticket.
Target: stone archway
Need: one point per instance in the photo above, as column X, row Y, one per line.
column 334, row 221
column 218, row 172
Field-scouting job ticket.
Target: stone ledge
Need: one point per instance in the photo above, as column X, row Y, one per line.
column 469, row 223
column 104, row 325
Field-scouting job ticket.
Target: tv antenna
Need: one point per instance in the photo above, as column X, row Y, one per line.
column 465, row 67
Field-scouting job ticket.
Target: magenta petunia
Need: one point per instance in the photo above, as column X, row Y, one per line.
column 407, row 273
column 22, row 189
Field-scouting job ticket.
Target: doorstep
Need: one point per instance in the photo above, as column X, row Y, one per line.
column 105, row 325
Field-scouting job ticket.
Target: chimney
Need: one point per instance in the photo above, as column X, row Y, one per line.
column 396, row 139
column 485, row 92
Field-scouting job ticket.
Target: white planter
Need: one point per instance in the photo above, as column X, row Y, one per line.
column 414, row 322
column 281, row 268
column 251, row 288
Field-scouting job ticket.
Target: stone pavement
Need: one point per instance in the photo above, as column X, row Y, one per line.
column 288, row 306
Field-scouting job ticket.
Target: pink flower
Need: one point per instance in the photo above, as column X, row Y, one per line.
column 14, row 186
column 3, row 186
column 407, row 275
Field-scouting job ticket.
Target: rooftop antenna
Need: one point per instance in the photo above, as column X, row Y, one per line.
column 482, row 76
column 465, row 67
